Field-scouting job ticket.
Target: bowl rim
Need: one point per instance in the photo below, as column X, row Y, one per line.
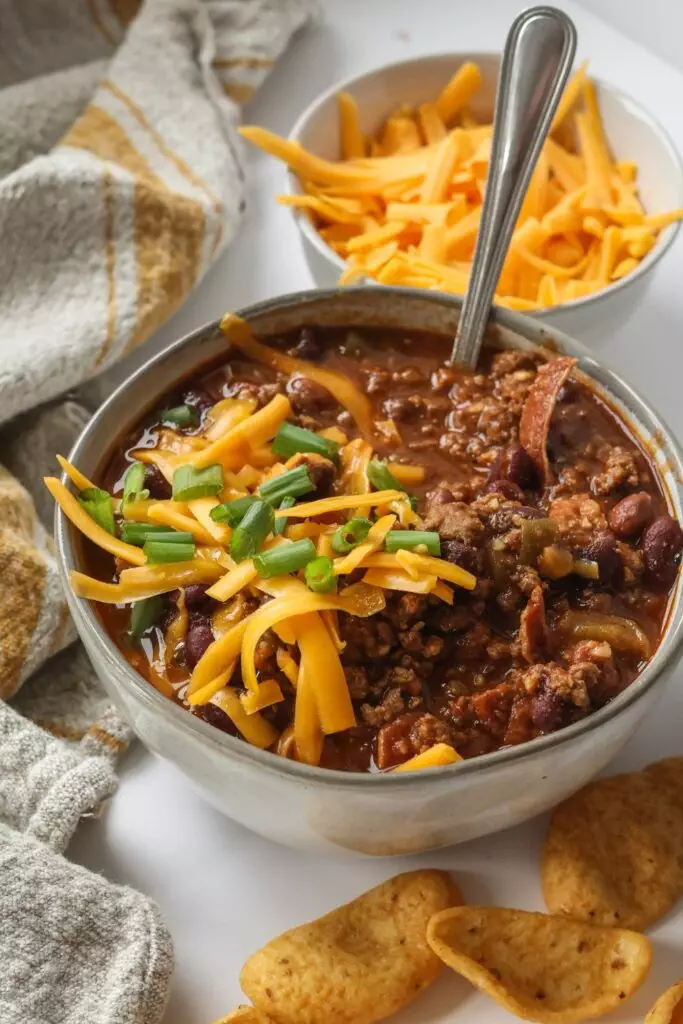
column 306, row 227
column 88, row 623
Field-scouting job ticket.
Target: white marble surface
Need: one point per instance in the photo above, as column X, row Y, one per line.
column 222, row 890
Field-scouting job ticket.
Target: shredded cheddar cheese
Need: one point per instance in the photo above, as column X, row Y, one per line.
column 375, row 539
column 436, row 757
column 144, row 581
column 268, row 693
column 165, row 512
column 75, row 476
column 258, row 428
column 77, row 515
column 308, row 736
column 218, row 656
column 255, row 728
column 338, row 504
column 347, row 394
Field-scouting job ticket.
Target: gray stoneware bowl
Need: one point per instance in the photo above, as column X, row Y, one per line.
column 318, row 809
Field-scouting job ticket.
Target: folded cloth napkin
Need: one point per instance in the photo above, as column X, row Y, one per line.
column 120, row 184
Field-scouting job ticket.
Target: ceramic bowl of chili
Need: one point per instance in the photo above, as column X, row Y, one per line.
column 530, row 731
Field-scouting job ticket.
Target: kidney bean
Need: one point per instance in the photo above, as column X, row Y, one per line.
column 505, row 487
column 546, row 710
column 603, row 550
column 214, row 715
column 507, row 518
column 514, row 464
column 631, row 514
column 307, row 396
column 199, row 637
column 157, row 484
column 662, row 543
column 195, row 596
column 519, row 466
column 464, row 555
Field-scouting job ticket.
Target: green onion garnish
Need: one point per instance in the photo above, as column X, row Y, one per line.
column 138, row 533
column 286, row 559
column 99, row 506
column 232, row 512
column 190, row 483
column 409, row 540
column 144, row 614
column 381, row 478
column 291, row 484
column 134, row 483
column 291, row 439
column 252, row 531
column 320, row 575
column 350, row 535
column 180, row 416
column 280, row 523
column 166, row 550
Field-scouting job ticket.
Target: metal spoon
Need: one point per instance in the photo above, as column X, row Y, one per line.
column 537, row 59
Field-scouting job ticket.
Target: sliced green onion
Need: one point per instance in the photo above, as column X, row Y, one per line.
column 138, row 533
column 232, row 512
column 280, row 523
column 291, row 439
column 409, row 540
column 190, row 483
column 252, row 531
column 99, row 506
column 291, row 484
column 144, row 614
column 414, row 501
column 180, row 416
column 320, row 575
column 134, row 483
column 159, row 551
column 288, row 558
column 381, row 478
column 350, row 535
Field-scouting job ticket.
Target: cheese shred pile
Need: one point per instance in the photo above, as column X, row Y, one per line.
column 403, row 206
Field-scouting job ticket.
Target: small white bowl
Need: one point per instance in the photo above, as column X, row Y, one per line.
column 632, row 132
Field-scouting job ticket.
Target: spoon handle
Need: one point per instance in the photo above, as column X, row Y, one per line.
column 537, row 59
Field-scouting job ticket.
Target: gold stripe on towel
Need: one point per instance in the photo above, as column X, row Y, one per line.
column 243, row 62
column 181, row 166
column 176, row 160
column 168, row 227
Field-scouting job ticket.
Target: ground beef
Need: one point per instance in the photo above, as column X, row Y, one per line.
column 455, row 521
column 579, row 518
column 619, row 471
column 408, row 735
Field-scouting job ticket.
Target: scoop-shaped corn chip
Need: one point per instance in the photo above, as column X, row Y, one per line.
column 612, row 855
column 358, row 964
column 245, row 1015
column 669, row 1007
column 540, row 967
